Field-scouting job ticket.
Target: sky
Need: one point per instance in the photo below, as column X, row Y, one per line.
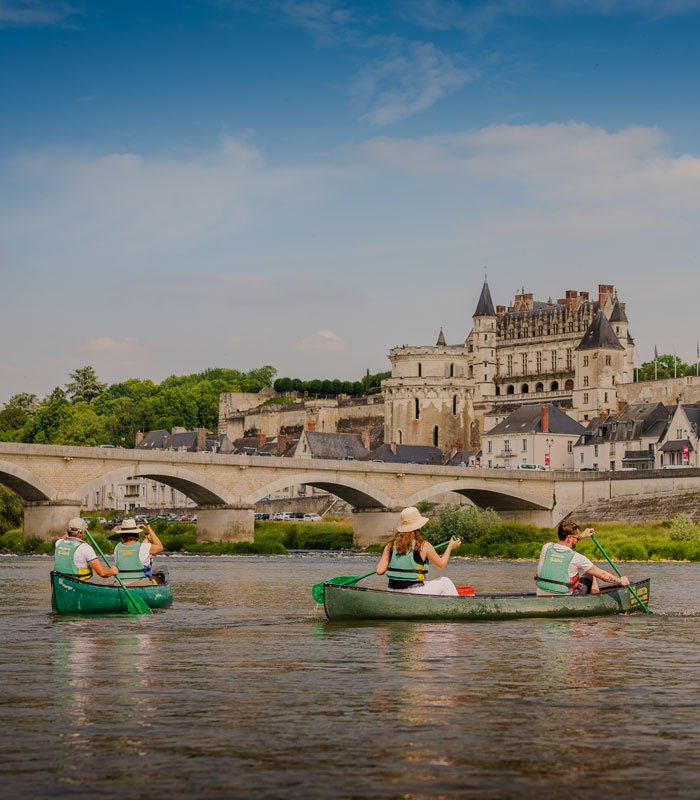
column 308, row 183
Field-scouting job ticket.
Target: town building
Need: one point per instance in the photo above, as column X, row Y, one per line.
column 533, row 436
column 574, row 352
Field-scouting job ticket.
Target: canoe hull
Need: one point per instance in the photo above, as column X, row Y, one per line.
column 71, row 596
column 354, row 603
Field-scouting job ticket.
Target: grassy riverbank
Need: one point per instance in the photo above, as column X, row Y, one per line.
column 483, row 533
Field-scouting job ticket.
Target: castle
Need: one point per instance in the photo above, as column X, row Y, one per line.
column 574, row 352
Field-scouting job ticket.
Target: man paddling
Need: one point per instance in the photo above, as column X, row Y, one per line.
column 561, row 570
column 74, row 556
column 135, row 560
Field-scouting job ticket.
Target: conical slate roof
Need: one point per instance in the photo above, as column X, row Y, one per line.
column 600, row 335
column 618, row 313
column 441, row 340
column 484, row 308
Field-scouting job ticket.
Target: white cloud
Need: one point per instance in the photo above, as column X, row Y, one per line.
column 108, row 345
column 323, row 341
column 34, row 13
column 409, row 81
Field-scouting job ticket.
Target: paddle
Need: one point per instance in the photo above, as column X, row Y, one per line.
column 134, row 603
column 349, row 580
column 634, row 594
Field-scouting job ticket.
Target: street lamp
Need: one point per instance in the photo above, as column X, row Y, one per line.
column 548, row 454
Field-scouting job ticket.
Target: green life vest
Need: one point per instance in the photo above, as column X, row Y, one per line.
column 127, row 561
column 404, row 568
column 553, row 576
column 63, row 559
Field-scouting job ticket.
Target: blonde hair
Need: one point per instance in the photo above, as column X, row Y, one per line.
column 404, row 542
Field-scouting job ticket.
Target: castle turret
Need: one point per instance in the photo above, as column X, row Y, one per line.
column 600, row 356
column 620, row 324
column 482, row 346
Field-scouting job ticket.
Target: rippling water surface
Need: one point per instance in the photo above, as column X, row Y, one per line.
column 243, row 689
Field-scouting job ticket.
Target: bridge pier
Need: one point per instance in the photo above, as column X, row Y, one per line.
column 225, row 523
column 373, row 525
column 48, row 519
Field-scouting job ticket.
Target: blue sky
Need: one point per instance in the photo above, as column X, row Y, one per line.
column 306, row 184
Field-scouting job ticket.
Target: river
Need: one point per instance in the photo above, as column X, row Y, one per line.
column 242, row 689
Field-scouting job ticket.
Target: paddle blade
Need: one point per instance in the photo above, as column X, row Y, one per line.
column 134, row 603
column 343, row 580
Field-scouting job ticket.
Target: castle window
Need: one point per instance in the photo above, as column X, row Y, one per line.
column 539, row 387
column 488, row 446
column 452, row 370
column 613, row 380
column 454, row 404
column 510, row 365
column 605, row 397
column 510, row 389
column 554, row 386
column 554, row 360
column 569, row 447
column 417, row 401
column 585, row 380
column 436, row 432
column 524, row 389
column 608, row 361
column 400, row 432
column 524, row 363
column 471, row 372
column 539, row 361
column 569, row 358
column 569, row 385
column 585, row 361
column 498, row 390
column 420, row 370
column 585, row 398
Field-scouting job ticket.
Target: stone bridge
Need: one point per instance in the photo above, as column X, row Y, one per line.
column 53, row 482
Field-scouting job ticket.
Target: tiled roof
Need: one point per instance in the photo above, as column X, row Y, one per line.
column 600, row 335
column 408, row 454
column 335, row 445
column 461, row 457
column 154, row 440
column 528, row 419
column 484, row 308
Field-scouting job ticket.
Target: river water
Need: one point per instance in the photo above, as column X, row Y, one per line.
column 243, row 689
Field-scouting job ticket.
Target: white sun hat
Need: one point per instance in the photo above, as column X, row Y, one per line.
column 411, row 520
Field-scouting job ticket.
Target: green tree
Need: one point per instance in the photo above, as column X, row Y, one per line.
column 52, row 413
column 10, row 510
column 282, row 385
column 664, row 368
column 24, row 401
column 84, row 385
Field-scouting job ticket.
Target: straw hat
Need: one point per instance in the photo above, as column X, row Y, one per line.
column 127, row 526
column 411, row 520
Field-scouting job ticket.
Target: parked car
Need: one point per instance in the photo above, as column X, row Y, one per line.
column 311, row 518
column 262, row 515
column 532, row 466
column 281, row 516
column 298, row 515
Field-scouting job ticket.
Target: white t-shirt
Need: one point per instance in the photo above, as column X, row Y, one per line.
column 145, row 552
column 578, row 565
column 83, row 554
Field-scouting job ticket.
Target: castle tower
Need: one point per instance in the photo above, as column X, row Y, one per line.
column 620, row 324
column 600, row 357
column 482, row 345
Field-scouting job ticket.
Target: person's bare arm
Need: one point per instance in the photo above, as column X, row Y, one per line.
column 608, row 577
column 430, row 553
column 383, row 564
column 96, row 565
column 155, row 542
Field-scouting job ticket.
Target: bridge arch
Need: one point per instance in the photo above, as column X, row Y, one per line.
column 197, row 487
column 24, row 483
column 484, row 495
column 358, row 493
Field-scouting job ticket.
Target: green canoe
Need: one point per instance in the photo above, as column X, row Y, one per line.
column 71, row 596
column 354, row 603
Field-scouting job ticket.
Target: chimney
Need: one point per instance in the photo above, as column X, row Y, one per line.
column 364, row 433
column 571, row 299
column 311, row 425
column 621, row 404
column 201, row 440
column 605, row 292
column 500, row 309
column 282, row 443
column 544, row 418
column 261, row 440
column 138, row 439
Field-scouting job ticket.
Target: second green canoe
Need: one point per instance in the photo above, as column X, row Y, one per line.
column 354, row 603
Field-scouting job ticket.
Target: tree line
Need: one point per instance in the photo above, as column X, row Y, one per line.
column 87, row 411
column 370, row 384
column 665, row 366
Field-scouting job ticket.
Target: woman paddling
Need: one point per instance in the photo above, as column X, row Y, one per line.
column 407, row 556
